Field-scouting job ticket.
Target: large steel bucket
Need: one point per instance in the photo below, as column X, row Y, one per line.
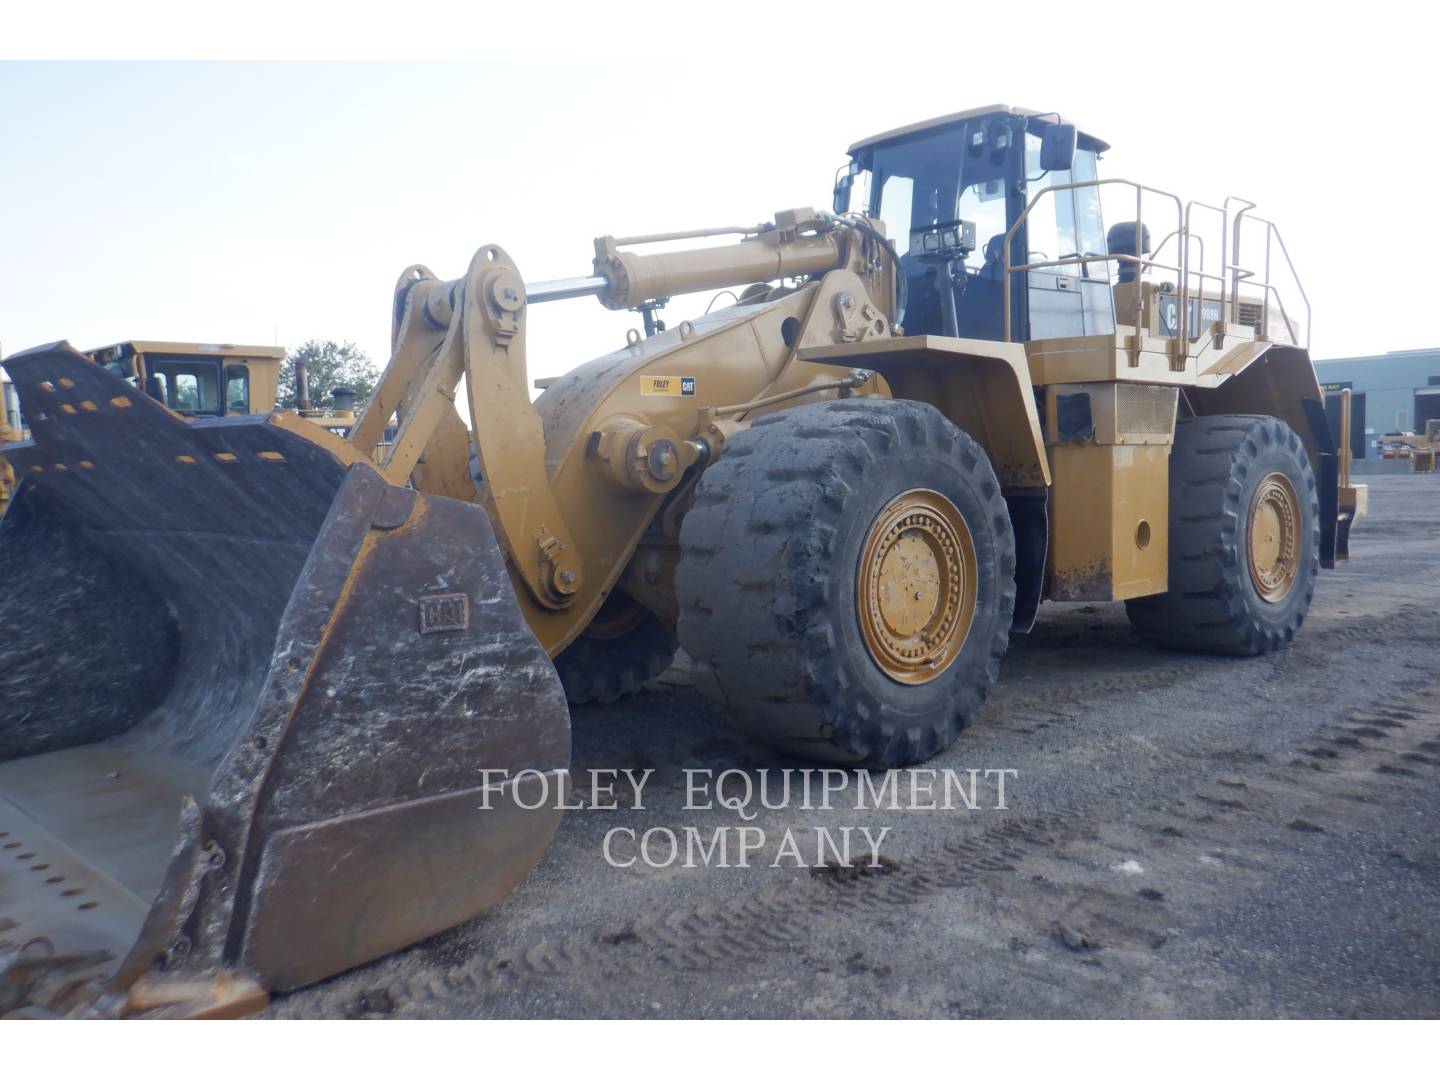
column 247, row 692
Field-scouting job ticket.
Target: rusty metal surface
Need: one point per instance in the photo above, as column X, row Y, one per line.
column 225, row 610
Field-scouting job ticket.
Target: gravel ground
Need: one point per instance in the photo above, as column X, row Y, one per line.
column 1186, row 836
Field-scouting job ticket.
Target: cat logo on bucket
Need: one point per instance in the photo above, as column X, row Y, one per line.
column 667, row 385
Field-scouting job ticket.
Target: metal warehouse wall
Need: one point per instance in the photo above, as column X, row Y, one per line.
column 1389, row 383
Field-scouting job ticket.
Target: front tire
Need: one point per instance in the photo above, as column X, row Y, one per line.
column 1244, row 539
column 847, row 581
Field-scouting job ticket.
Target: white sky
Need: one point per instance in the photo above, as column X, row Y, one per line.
column 255, row 202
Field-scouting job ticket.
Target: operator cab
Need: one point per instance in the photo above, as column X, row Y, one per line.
column 10, row 406
column 195, row 380
column 949, row 190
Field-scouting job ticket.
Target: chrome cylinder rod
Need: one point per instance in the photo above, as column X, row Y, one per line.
column 564, row 289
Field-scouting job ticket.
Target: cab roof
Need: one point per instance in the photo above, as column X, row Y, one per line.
column 954, row 118
column 192, row 348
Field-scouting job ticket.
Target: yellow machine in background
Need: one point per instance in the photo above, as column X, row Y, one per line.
column 195, row 379
column 11, row 431
column 190, row 378
column 198, row 379
column 842, row 493
column 1420, row 449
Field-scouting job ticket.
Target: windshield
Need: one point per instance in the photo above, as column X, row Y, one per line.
column 960, row 173
column 187, row 386
column 955, row 174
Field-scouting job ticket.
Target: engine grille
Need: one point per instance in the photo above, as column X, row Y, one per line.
column 1145, row 410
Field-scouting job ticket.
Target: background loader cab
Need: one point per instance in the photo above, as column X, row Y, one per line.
column 951, row 190
column 198, row 379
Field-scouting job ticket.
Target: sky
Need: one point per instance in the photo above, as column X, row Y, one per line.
column 262, row 203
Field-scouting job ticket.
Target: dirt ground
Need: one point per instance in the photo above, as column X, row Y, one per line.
column 1186, row 836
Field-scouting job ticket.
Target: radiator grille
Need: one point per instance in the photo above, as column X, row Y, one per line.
column 1250, row 314
column 1145, row 410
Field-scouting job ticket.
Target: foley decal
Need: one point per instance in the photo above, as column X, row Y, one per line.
column 667, row 385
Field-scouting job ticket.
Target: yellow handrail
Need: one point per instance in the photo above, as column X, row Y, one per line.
column 1230, row 272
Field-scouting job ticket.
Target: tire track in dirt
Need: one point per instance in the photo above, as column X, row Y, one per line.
column 1053, row 883
column 1060, row 884
column 708, row 937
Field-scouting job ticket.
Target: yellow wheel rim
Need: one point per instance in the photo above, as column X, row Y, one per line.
column 1274, row 540
column 917, row 585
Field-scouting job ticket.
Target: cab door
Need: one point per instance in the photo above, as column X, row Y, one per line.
column 1073, row 299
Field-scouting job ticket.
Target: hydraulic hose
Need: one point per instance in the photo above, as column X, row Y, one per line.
column 902, row 287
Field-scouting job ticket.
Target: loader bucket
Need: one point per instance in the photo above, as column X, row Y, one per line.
column 248, row 690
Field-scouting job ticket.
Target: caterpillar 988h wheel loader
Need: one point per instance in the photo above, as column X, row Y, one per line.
column 841, row 494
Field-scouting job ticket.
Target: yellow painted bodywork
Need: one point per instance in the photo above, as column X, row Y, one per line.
column 565, row 479
column 983, row 387
column 1109, row 521
column 1110, row 502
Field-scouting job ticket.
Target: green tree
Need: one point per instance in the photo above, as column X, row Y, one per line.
column 331, row 364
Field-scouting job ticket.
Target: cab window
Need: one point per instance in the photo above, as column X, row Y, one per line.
column 237, row 389
column 1064, row 224
column 1050, row 226
column 187, row 386
column 895, row 199
column 984, row 204
column 1088, row 220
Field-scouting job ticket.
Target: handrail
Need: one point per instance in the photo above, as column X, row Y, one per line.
column 1190, row 283
column 1010, row 234
column 1272, row 233
column 1172, row 234
column 1190, row 207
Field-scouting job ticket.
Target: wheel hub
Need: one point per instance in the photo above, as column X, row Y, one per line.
column 618, row 616
column 1274, row 540
column 917, row 586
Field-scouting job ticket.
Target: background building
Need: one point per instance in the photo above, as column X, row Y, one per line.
column 1395, row 392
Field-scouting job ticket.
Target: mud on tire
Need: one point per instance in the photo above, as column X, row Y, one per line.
column 767, row 582
column 1213, row 604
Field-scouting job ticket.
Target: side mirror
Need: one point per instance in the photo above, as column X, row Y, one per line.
column 844, row 181
column 1057, row 147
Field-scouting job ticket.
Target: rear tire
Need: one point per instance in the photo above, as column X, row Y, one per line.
column 771, row 590
column 623, row 648
column 1244, row 539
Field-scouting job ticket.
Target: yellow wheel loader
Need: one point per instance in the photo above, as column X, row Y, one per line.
column 191, row 379
column 197, row 379
column 343, row 663
column 10, row 432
